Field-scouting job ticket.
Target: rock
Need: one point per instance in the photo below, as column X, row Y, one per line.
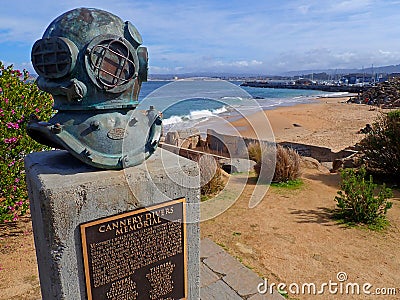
column 236, row 165
column 185, row 138
column 327, row 164
column 311, row 163
column 366, row 129
column 352, row 161
column 337, row 165
column 385, row 94
column 172, row 138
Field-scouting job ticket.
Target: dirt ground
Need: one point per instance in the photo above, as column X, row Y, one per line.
column 18, row 269
column 290, row 237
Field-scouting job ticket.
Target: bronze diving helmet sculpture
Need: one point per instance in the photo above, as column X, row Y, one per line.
column 94, row 65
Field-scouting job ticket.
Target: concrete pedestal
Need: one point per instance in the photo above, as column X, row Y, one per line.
column 64, row 193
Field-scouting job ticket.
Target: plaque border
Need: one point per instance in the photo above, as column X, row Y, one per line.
column 83, row 226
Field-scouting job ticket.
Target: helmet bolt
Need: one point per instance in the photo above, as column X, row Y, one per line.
column 87, row 152
column 95, row 125
column 125, row 161
column 56, row 128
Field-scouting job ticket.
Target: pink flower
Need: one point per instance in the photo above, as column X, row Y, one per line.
column 1, row 90
column 16, row 180
column 20, row 203
column 11, row 163
column 6, row 100
column 13, row 112
column 15, row 218
column 10, row 140
column 14, row 188
column 12, row 125
column 11, row 208
column 22, row 97
column 37, row 110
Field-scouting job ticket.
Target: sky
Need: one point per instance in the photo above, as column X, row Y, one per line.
column 246, row 37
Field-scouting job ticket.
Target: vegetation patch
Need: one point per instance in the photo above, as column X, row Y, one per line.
column 284, row 161
column 381, row 145
column 211, row 178
column 19, row 98
column 360, row 201
column 290, row 184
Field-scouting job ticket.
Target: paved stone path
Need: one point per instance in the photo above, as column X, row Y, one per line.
column 224, row 277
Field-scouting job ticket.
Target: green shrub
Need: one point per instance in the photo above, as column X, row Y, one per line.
column 287, row 161
column 381, row 145
column 210, row 176
column 19, row 98
column 357, row 201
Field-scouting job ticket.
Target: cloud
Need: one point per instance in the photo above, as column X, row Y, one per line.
column 256, row 35
column 386, row 53
column 238, row 63
column 163, row 70
column 348, row 6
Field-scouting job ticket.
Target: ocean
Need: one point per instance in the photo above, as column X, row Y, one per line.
column 190, row 102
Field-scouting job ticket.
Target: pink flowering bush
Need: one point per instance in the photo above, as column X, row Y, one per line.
column 19, row 98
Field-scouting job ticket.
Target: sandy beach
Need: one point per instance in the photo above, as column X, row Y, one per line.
column 329, row 122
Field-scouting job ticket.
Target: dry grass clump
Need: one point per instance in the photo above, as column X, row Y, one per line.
column 287, row 162
column 211, row 179
column 254, row 150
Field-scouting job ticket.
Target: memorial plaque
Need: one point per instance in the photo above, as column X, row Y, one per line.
column 140, row 254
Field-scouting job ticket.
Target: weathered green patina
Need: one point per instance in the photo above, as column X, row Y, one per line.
column 93, row 64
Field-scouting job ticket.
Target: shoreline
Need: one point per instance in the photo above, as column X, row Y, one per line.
column 323, row 121
column 327, row 122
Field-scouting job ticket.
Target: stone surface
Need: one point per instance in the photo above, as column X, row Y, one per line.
column 222, row 263
column 237, row 165
column 235, row 146
column 207, row 276
column 209, row 248
column 65, row 193
column 218, row 291
column 231, row 280
column 242, row 280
